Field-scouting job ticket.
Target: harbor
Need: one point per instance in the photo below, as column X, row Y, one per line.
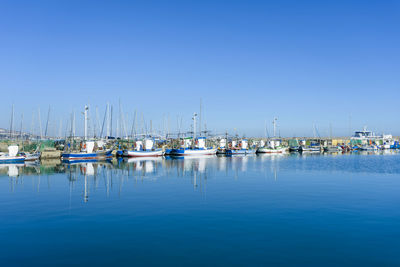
column 18, row 147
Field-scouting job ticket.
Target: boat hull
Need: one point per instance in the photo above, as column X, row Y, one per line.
column 266, row 150
column 82, row 156
column 239, row 152
column 192, row 152
column 144, row 153
column 310, row 149
column 32, row 157
column 333, row 149
column 10, row 159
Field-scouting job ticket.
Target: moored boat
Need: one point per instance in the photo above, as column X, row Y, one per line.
column 368, row 148
column 12, row 156
column 272, row 147
column 333, row 149
column 310, row 149
column 271, row 150
column 241, row 149
column 192, row 151
column 87, row 153
column 147, row 151
column 31, row 156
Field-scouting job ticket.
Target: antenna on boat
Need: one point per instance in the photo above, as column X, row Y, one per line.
column 274, row 124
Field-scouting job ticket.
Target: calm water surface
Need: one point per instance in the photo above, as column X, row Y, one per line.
column 310, row 210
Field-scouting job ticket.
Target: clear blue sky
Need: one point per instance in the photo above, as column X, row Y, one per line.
column 304, row 62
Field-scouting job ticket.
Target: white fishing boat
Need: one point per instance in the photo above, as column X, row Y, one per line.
column 193, row 152
column 222, row 146
column 147, row 151
column 271, row 150
column 310, row 149
column 333, row 149
column 193, row 146
column 241, row 149
column 12, row 156
column 272, row 147
column 197, row 150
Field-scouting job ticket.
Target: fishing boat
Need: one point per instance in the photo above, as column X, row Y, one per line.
column 294, row 148
column 89, row 150
column 310, row 149
column 222, row 146
column 333, row 149
column 363, row 139
column 241, row 149
column 87, row 153
column 395, row 145
column 193, row 151
column 147, row 151
column 368, row 148
column 193, row 146
column 271, row 150
column 35, row 156
column 272, row 147
column 12, row 156
column 198, row 149
column 294, row 145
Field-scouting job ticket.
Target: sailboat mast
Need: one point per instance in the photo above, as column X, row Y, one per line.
column 12, row 121
column 59, row 130
column 32, row 125
column 111, row 122
column 20, row 129
column 200, row 115
column 73, row 125
column 194, row 126
column 47, row 122
column 108, row 119
column 86, row 119
column 40, row 124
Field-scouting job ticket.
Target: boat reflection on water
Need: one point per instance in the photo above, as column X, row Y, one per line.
column 143, row 165
column 12, row 170
column 17, row 169
column 112, row 175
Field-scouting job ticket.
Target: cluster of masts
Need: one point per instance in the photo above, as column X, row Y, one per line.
column 97, row 127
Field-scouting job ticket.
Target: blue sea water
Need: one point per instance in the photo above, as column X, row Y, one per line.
column 289, row 210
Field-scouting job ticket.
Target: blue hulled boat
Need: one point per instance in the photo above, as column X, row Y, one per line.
column 12, row 156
